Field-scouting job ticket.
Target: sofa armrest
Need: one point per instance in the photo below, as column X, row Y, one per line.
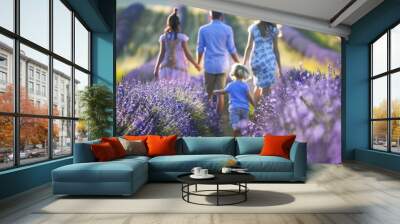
column 83, row 152
column 298, row 155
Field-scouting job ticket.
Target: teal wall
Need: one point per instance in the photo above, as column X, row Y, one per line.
column 24, row 178
column 99, row 15
column 356, row 85
column 103, row 64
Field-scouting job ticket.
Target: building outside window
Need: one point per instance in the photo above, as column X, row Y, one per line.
column 30, row 87
column 3, row 72
column 60, row 127
column 30, row 72
column 43, row 90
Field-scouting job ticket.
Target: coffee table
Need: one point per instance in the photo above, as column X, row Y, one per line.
column 238, row 179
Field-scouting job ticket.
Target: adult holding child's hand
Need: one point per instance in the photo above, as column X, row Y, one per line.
column 215, row 41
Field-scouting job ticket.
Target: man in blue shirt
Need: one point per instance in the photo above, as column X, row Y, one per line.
column 215, row 41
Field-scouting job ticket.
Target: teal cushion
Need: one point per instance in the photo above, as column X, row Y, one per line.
column 83, row 152
column 208, row 145
column 111, row 171
column 133, row 158
column 185, row 163
column 257, row 163
column 249, row 145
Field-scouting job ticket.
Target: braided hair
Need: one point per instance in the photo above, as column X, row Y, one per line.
column 173, row 23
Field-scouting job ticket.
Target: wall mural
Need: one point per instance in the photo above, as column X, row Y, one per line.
column 290, row 81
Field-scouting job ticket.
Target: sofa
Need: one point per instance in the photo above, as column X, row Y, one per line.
column 125, row 176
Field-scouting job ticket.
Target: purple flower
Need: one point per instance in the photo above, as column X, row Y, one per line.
column 165, row 107
column 308, row 105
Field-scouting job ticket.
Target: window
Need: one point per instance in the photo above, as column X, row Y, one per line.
column 385, row 94
column 6, row 142
column 37, row 74
column 62, row 29
column 30, row 88
column 62, row 74
column 3, row 72
column 44, row 91
column 81, row 45
column 62, row 137
column 3, row 61
column 30, row 73
column 3, row 78
column 6, row 73
column 81, row 82
column 46, row 75
column 7, row 14
column 35, row 21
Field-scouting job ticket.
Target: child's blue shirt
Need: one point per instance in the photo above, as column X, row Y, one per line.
column 237, row 91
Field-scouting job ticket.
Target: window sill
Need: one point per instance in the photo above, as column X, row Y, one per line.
column 382, row 159
column 30, row 166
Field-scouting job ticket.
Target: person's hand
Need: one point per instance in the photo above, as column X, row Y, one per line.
column 198, row 67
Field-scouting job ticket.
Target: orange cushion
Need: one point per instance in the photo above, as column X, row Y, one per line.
column 116, row 145
column 277, row 145
column 161, row 145
column 103, row 152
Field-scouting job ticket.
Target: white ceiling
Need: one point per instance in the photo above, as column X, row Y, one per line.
column 320, row 9
column 314, row 15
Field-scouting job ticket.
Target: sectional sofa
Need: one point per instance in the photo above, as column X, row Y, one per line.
column 125, row 176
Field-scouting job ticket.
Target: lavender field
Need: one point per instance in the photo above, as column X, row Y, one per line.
column 305, row 100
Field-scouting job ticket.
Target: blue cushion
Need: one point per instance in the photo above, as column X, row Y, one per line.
column 133, row 158
column 257, row 163
column 185, row 163
column 111, row 171
column 208, row 145
column 83, row 153
column 249, row 145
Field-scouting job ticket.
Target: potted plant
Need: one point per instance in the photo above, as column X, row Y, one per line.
column 96, row 102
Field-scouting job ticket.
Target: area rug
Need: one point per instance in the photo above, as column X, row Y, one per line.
column 166, row 198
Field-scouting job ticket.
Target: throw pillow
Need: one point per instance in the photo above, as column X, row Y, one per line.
column 142, row 138
column 161, row 145
column 136, row 147
column 277, row 145
column 117, row 146
column 103, row 151
column 135, row 138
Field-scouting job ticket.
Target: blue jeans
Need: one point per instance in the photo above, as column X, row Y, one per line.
column 238, row 117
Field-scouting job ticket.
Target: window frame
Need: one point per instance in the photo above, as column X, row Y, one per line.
column 388, row 74
column 16, row 115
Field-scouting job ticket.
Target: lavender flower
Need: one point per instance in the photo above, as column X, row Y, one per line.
column 165, row 107
column 308, row 105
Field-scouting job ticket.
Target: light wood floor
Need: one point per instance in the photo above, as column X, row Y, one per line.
column 377, row 188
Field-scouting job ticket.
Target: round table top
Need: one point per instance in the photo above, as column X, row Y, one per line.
column 220, row 178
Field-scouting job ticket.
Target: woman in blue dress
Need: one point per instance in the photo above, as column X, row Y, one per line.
column 262, row 50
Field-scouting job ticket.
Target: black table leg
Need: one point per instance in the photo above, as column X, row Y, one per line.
column 245, row 193
column 188, row 190
column 217, row 194
column 195, row 188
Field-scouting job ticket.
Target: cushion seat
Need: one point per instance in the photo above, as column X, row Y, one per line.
column 117, row 177
column 184, row 163
column 112, row 171
column 257, row 163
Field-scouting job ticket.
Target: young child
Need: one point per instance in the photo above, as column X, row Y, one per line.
column 239, row 97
